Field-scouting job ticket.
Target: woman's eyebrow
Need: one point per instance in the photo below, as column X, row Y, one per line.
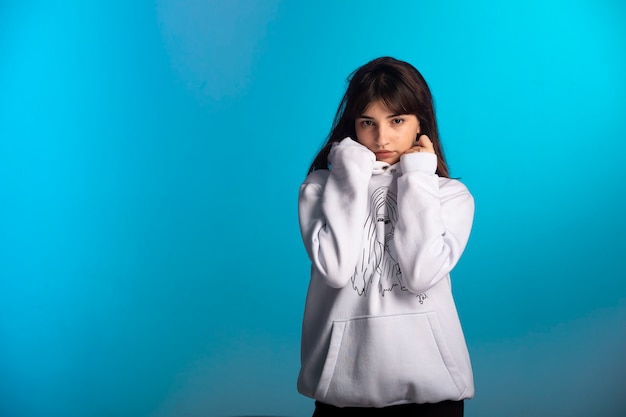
column 391, row 116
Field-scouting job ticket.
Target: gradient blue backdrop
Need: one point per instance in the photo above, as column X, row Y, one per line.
column 150, row 156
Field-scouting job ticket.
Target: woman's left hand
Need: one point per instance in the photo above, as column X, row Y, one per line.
column 423, row 144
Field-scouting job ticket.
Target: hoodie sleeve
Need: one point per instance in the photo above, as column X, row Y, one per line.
column 332, row 210
column 435, row 220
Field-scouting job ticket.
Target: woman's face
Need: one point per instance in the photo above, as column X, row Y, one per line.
column 386, row 134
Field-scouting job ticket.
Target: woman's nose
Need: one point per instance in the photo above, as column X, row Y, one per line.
column 382, row 136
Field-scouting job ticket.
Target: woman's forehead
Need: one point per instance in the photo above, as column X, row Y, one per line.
column 388, row 105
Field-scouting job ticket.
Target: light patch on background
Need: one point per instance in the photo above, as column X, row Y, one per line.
column 213, row 44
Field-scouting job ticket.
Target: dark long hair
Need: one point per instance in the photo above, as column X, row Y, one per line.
column 401, row 88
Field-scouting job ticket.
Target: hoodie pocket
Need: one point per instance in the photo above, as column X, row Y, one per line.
column 379, row 361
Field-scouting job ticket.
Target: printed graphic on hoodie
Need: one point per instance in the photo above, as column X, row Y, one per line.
column 378, row 258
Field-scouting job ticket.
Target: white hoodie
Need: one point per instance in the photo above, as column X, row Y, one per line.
column 380, row 326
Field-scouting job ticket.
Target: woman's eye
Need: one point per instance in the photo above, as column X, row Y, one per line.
column 367, row 123
column 397, row 121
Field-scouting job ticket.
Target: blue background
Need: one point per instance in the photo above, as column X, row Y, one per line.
column 150, row 158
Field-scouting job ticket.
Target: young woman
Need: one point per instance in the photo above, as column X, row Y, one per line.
column 383, row 225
